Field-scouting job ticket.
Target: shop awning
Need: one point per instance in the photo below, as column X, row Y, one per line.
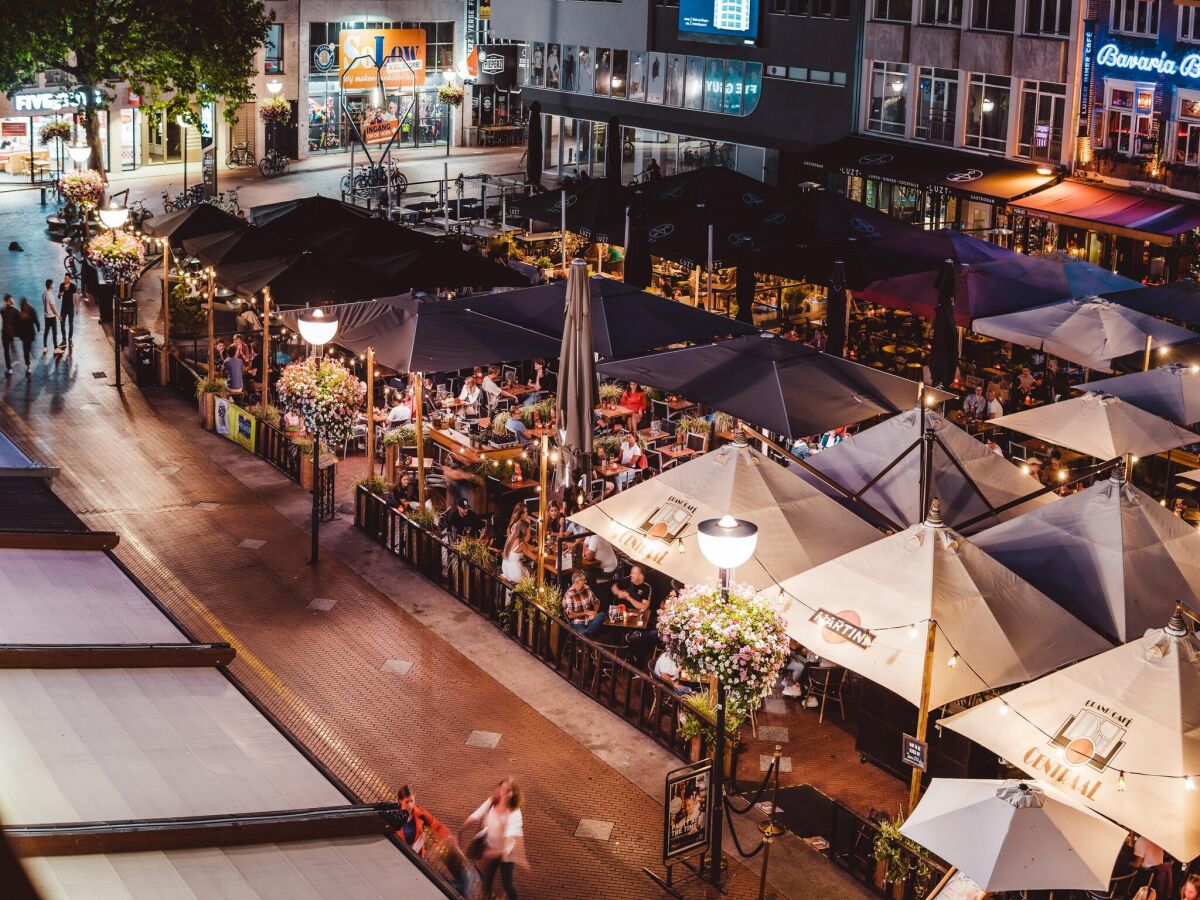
column 919, row 165
column 1156, row 219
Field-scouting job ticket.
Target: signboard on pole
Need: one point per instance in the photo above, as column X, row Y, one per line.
column 688, row 800
column 915, row 753
column 399, row 51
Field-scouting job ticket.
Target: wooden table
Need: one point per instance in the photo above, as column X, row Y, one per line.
column 676, row 452
column 510, row 485
column 520, row 390
column 678, row 404
column 618, row 412
column 610, row 470
column 552, row 565
column 629, row 619
column 653, row 438
column 468, row 454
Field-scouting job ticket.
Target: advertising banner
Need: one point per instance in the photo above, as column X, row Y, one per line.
column 402, row 51
column 379, row 132
column 726, row 21
column 686, row 813
column 235, row 423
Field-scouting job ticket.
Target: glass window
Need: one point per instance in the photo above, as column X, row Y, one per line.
column 1189, row 24
column 941, row 12
column 797, row 73
column 1049, row 17
column 1187, row 129
column 820, row 75
column 893, row 10
column 987, row 113
column 1135, row 16
column 889, row 98
column 937, row 103
column 839, row 78
column 993, row 15
column 734, row 73
column 273, row 49
column 1043, row 108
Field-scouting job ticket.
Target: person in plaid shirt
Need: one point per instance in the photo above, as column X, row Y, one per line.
column 581, row 606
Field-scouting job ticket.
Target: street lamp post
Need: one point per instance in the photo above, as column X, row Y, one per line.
column 317, row 329
column 182, row 123
column 726, row 543
column 114, row 217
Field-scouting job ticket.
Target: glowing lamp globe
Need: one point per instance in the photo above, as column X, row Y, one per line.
column 727, row 542
column 316, row 327
column 113, row 216
column 79, row 152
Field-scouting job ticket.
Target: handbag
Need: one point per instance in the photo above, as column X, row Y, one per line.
column 475, row 848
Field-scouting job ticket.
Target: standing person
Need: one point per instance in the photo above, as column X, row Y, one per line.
column 49, row 316
column 9, row 316
column 27, row 329
column 67, row 294
column 233, row 370
column 499, row 844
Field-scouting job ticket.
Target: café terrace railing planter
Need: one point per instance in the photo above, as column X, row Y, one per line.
column 631, row 693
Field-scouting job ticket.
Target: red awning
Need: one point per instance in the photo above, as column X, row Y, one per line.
column 1135, row 215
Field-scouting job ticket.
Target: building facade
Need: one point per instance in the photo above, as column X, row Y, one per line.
column 747, row 83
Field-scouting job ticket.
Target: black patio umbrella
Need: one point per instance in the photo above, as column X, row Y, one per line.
column 533, row 146
column 367, row 238
column 638, row 264
column 683, row 236
column 195, row 221
column 836, row 311
column 722, row 193
column 625, row 320
column 413, row 335
column 303, row 279
column 238, row 245
column 1179, row 300
column 300, row 218
column 595, row 209
column 782, row 385
column 944, row 358
column 442, row 264
column 613, row 150
column 745, row 284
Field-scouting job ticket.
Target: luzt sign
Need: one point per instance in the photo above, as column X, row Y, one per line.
column 51, row 101
column 1113, row 57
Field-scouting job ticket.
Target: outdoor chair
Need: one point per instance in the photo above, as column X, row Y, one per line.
column 661, row 411
column 1118, row 889
column 825, row 683
column 358, row 438
column 697, row 442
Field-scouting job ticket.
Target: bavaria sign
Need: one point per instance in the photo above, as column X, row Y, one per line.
column 1111, row 56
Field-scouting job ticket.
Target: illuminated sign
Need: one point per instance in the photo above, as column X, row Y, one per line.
column 725, row 21
column 1113, row 57
column 52, row 100
column 400, row 52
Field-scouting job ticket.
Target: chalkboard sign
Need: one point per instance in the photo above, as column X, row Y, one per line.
column 914, row 752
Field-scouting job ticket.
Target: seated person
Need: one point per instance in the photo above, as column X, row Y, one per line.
column 975, row 404
column 631, row 456
column 404, row 491
column 633, row 398
column 516, row 427
column 469, row 396
column 581, row 606
column 461, row 521
column 401, row 411
column 232, row 369
column 634, row 591
column 596, row 548
column 491, row 387
column 543, row 382
column 666, row 669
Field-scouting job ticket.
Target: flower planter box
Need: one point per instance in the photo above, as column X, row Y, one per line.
column 207, row 404
column 306, row 465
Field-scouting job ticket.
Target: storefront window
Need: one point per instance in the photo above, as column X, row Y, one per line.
column 937, row 100
column 1129, row 119
column 1187, row 129
column 1135, row 16
column 273, row 50
column 1043, row 105
column 889, row 98
column 987, row 113
column 1189, row 24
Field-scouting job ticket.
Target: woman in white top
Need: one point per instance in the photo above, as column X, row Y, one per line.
column 499, row 844
column 470, row 396
column 512, row 566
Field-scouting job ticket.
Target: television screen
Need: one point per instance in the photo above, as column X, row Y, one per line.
column 720, row 21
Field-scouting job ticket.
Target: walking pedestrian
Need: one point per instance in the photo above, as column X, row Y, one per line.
column 9, row 317
column 499, row 844
column 67, row 293
column 27, row 329
column 49, row 317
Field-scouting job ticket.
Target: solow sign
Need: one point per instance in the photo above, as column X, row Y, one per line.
column 400, row 52
column 1111, row 56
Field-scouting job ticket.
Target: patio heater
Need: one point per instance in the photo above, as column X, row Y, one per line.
column 726, row 543
column 317, row 329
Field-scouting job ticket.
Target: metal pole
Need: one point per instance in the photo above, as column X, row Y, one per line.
column 1149, row 347
column 914, row 791
column 185, row 197
column 503, row 211
column 371, row 409
column 769, row 829
column 266, row 354
column 417, row 417
column 710, row 268
column 212, row 369
column 563, row 204
column 164, row 374
column 315, row 530
column 715, row 820
column 544, row 453
column 446, row 196
column 118, row 296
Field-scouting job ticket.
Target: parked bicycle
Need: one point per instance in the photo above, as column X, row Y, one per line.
column 366, row 178
column 189, row 197
column 240, row 155
column 229, row 202
column 273, row 164
column 139, row 213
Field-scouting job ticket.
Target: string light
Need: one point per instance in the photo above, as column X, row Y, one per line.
column 953, row 661
column 1121, row 782
column 1003, row 708
column 1189, row 783
column 912, row 630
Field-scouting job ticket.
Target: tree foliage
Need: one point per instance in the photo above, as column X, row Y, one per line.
column 176, row 53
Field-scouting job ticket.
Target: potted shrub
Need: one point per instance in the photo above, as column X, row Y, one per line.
column 610, row 393
column 265, row 412
column 451, row 95
column 897, row 860
column 546, row 266
column 698, row 724
column 207, row 391
column 305, row 443
column 326, row 398
column 275, row 111
column 373, row 483
column 550, row 602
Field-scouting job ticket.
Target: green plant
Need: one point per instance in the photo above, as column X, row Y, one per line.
column 188, row 309
column 424, row 517
column 901, row 856
column 546, row 408
column 475, row 550
column 502, row 248
column 305, row 443
column 701, row 721
column 324, row 394
column 653, row 393
column 691, row 425
column 373, row 483
column 611, row 391
column 500, row 422
column 724, row 421
column 550, row 599
column 209, row 385
column 502, row 468
column 266, row 412
column 543, row 262
column 404, row 436
column 451, row 95
column 609, row 443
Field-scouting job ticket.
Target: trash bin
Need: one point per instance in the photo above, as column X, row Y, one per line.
column 143, row 360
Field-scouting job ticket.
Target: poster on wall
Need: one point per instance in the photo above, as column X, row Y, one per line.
column 675, row 69
column 637, row 75
column 714, row 85
column 537, row 64
column 553, row 65
column 620, row 73
column 693, row 83
column 603, row 71
column 719, row 21
column 403, row 50
column 752, row 89
column 587, row 70
column 241, row 426
column 734, row 70
column 570, row 55
column 656, row 77
column 686, row 812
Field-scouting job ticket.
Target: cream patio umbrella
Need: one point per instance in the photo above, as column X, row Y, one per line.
column 798, row 527
column 1110, row 555
column 1099, row 425
column 1171, row 391
column 1014, row 836
column 1119, row 733
column 576, row 399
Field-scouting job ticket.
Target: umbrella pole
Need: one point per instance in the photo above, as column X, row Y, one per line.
column 165, row 370
column 266, row 354
column 212, row 371
column 418, row 402
column 922, row 500
column 563, row 204
column 708, row 288
column 914, row 791
column 371, row 410
column 446, row 197
column 543, row 455
column 1167, row 487
column 1149, row 347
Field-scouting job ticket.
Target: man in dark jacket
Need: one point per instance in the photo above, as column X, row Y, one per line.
column 27, row 329
column 9, row 317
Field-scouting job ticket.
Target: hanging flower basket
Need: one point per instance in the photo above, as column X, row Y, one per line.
column 276, row 111
column 324, row 395
column 118, row 255
column 451, row 95
column 741, row 642
column 58, row 130
column 82, row 188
